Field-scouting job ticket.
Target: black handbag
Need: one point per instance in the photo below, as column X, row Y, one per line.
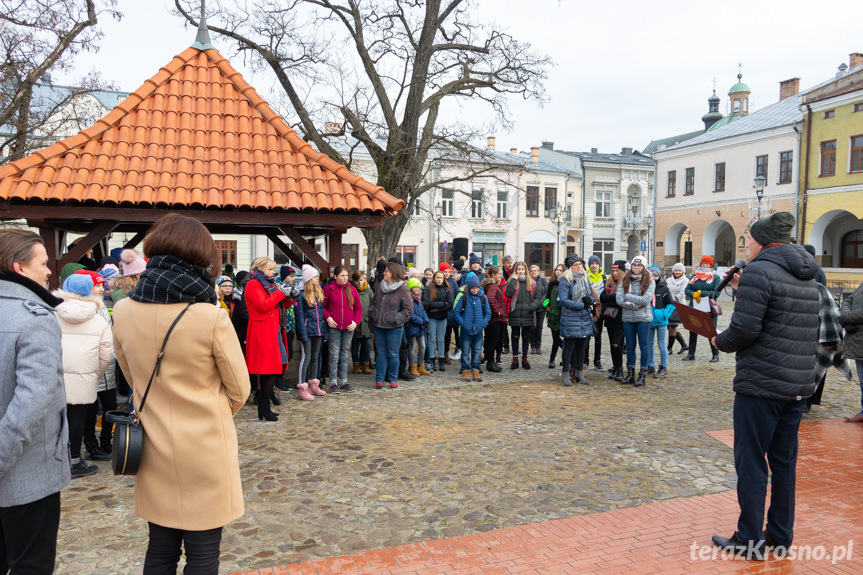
column 128, row 429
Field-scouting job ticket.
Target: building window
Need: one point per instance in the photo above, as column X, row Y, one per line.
column 531, row 204
column 719, row 178
column 672, row 184
column 736, row 106
column 476, row 204
column 858, row 107
column 603, row 204
column 408, row 255
column 351, row 256
column 448, row 203
column 829, row 114
column 418, row 208
column 502, row 205
column 227, row 252
column 828, row 158
column 786, row 165
column 490, row 254
column 690, row 182
column 761, row 166
column 604, row 250
column 857, row 154
column 550, row 201
column 540, row 255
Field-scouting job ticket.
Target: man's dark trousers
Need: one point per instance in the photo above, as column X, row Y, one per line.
column 766, row 426
column 28, row 536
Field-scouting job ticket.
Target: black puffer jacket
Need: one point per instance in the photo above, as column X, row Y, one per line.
column 774, row 328
column 521, row 310
column 852, row 312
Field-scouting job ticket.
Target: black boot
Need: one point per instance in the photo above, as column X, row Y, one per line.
column 618, row 374
column 264, row 395
column 613, row 374
column 683, row 347
column 276, row 399
column 640, row 381
column 492, row 367
column 441, row 366
column 715, row 357
column 630, row 376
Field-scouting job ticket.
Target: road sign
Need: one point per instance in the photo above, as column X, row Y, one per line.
column 444, row 244
column 643, row 246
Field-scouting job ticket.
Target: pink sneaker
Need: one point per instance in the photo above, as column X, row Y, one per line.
column 393, row 385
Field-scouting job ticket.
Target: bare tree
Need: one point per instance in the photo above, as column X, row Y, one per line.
column 389, row 70
column 38, row 37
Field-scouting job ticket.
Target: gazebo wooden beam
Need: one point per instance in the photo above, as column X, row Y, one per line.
column 273, row 236
column 85, row 244
column 305, row 247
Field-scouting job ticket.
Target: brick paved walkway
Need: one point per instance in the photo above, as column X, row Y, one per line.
column 654, row 538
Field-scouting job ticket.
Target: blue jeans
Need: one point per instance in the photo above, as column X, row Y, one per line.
column 471, row 347
column 340, row 350
column 658, row 335
column 387, row 344
column 361, row 349
column 859, row 364
column 632, row 330
column 437, row 330
column 766, row 426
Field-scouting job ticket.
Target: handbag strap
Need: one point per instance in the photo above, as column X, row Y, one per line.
column 159, row 357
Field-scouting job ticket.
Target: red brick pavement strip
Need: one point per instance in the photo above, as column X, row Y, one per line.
column 655, row 538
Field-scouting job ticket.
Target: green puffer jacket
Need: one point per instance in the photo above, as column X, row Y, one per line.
column 553, row 310
column 364, row 329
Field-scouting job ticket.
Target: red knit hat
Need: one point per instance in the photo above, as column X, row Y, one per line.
column 444, row 266
column 97, row 279
column 711, row 262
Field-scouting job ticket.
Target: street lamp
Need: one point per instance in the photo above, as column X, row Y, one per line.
column 760, row 184
column 558, row 218
column 438, row 212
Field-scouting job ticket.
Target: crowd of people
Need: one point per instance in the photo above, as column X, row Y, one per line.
column 76, row 350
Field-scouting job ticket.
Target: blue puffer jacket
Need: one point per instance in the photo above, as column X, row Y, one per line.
column 310, row 319
column 663, row 304
column 474, row 314
column 419, row 318
column 575, row 318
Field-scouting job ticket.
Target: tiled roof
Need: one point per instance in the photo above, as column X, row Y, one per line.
column 668, row 142
column 195, row 135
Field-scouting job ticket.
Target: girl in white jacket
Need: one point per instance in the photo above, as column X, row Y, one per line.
column 87, row 351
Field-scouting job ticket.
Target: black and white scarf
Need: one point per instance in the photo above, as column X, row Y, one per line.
column 268, row 283
column 168, row 279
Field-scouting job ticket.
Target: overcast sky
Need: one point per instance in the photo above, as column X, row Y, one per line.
column 626, row 72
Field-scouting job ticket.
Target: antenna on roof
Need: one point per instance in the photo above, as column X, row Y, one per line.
column 202, row 40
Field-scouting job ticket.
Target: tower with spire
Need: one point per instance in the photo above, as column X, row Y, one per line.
column 713, row 115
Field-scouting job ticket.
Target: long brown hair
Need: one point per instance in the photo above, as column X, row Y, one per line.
column 432, row 287
column 16, row 245
column 489, row 276
column 531, row 284
column 350, row 296
column 627, row 280
column 313, row 294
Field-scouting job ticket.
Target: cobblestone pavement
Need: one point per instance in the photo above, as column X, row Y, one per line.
column 438, row 457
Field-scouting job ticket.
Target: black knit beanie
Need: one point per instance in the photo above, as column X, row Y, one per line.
column 774, row 229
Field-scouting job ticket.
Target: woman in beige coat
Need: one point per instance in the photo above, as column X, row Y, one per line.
column 188, row 485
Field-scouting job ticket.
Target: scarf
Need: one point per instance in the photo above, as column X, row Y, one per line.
column 580, row 287
column 417, row 297
column 388, row 287
column 168, row 279
column 268, row 283
column 677, row 287
column 703, row 274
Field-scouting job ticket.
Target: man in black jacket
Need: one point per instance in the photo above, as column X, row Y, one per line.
column 774, row 330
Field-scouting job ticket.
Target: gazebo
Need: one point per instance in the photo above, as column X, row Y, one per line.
column 197, row 139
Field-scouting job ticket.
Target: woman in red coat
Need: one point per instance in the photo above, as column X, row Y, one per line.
column 264, row 343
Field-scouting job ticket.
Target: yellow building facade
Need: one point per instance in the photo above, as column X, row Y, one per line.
column 830, row 200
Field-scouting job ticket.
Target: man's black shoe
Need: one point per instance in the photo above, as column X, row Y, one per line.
column 753, row 552
column 406, row 376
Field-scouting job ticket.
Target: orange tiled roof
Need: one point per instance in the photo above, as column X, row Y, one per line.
column 194, row 135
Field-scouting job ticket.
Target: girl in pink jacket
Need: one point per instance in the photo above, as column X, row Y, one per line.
column 343, row 312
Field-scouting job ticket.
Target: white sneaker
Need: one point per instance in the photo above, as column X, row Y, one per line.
column 455, row 356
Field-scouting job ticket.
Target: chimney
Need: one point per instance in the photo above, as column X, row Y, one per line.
column 626, row 152
column 534, row 154
column 843, row 69
column 788, row 88
column 856, row 59
column 513, row 151
column 490, row 144
column 660, row 147
column 594, row 150
column 548, row 145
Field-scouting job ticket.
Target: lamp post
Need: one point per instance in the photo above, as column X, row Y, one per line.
column 633, row 204
column 760, row 184
column 438, row 212
column 557, row 216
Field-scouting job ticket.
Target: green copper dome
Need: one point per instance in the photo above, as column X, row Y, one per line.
column 739, row 86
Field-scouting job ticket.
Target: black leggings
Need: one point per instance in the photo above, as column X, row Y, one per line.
column 615, row 340
column 108, row 399
column 492, row 339
column 573, row 353
column 163, row 551
column 525, row 332
column 76, row 415
column 556, row 344
column 266, row 382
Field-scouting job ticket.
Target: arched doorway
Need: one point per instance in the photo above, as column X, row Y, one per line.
column 678, row 243
column 720, row 242
column 828, row 235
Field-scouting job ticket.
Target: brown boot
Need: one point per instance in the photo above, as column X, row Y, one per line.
column 421, row 369
column 465, row 375
column 357, row 367
column 476, row 375
column 366, row 367
column 414, row 371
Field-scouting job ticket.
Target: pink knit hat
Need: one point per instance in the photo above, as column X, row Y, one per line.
column 308, row 273
column 132, row 263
